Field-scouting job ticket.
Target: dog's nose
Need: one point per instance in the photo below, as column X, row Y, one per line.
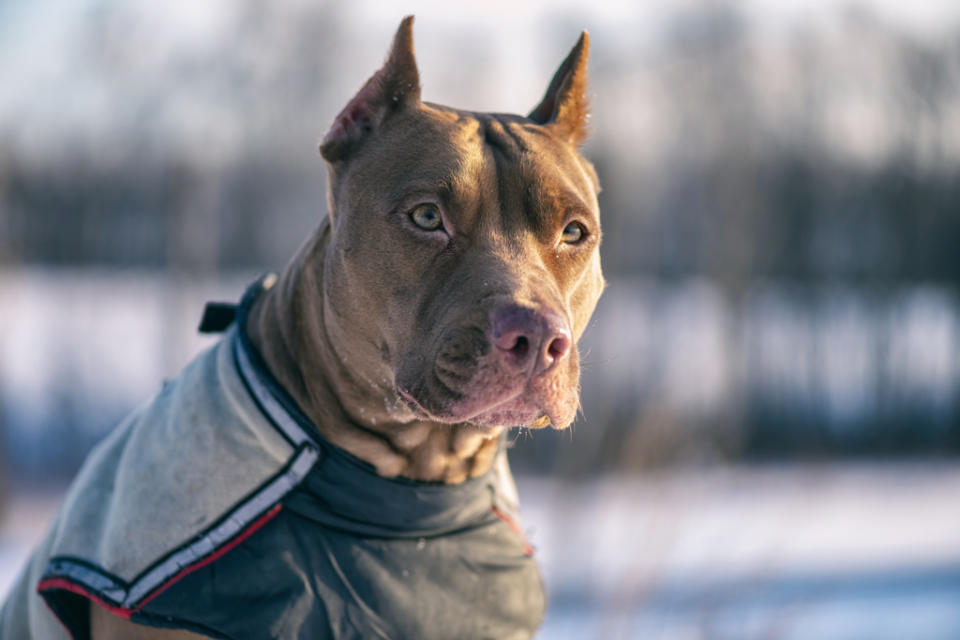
column 529, row 338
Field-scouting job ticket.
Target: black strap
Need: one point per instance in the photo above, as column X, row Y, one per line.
column 217, row 316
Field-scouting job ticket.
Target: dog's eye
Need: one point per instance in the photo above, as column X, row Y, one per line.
column 572, row 233
column 427, row 217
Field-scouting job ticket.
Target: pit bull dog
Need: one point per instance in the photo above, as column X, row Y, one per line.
column 335, row 466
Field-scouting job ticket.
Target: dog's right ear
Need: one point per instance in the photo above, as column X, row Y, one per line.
column 395, row 86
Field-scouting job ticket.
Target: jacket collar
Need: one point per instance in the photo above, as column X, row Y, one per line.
column 345, row 492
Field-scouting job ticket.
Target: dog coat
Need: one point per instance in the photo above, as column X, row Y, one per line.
column 217, row 507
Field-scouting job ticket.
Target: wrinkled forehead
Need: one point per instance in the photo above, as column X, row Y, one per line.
column 449, row 152
column 550, row 169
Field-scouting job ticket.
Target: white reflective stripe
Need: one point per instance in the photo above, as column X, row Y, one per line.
column 240, row 518
column 99, row 583
column 274, row 409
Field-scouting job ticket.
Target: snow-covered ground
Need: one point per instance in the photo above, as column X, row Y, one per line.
column 832, row 552
column 827, row 552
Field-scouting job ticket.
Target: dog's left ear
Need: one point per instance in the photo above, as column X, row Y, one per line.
column 564, row 108
column 395, row 86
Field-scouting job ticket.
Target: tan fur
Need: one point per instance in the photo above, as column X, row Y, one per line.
column 355, row 284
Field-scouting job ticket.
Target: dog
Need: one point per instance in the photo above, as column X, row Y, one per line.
column 335, row 466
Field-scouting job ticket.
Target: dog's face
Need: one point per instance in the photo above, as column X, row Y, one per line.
column 463, row 261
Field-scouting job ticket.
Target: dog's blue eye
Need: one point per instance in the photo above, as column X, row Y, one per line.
column 572, row 233
column 426, row 217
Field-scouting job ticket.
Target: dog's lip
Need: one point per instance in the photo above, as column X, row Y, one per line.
column 487, row 410
column 416, row 406
column 531, row 416
column 492, row 408
column 406, row 395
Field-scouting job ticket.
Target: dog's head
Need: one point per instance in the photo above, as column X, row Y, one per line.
column 463, row 261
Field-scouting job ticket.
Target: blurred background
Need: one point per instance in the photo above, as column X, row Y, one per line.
column 771, row 387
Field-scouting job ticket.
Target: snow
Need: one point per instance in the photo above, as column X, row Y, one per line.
column 826, row 552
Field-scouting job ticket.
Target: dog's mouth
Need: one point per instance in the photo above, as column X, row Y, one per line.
column 534, row 404
column 512, row 411
column 418, row 409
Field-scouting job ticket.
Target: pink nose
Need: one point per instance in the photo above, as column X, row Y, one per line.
column 528, row 338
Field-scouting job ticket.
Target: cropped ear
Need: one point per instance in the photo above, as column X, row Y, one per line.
column 564, row 108
column 394, row 87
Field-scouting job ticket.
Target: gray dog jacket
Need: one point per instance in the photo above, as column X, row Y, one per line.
column 219, row 508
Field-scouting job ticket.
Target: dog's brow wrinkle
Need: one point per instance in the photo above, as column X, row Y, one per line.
column 517, row 131
column 499, row 137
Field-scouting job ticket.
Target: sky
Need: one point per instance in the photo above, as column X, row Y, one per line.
column 35, row 34
column 47, row 91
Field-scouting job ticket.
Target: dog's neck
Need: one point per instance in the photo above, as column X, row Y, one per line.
column 286, row 326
